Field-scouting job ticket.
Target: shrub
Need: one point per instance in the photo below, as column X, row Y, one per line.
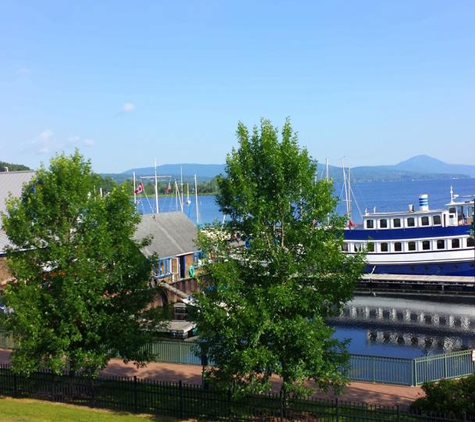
column 455, row 396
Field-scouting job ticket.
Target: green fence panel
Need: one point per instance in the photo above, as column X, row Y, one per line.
column 362, row 368
column 448, row 365
column 175, row 352
column 381, row 369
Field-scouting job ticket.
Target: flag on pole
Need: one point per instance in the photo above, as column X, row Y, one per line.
column 140, row 188
column 168, row 189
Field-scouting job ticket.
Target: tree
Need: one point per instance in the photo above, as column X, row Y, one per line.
column 81, row 282
column 275, row 271
column 12, row 167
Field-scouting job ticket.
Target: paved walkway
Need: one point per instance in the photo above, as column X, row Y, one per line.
column 360, row 392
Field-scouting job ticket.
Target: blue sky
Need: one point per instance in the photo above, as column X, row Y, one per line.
column 128, row 83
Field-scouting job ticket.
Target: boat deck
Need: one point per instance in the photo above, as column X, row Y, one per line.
column 457, row 285
column 419, row 278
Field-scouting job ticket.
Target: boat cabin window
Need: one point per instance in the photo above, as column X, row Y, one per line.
column 437, row 220
column 425, row 245
column 370, row 247
column 455, row 243
column 344, row 247
column 441, row 244
column 397, row 222
column 411, row 222
column 369, row 224
column 357, row 247
column 384, row 247
column 397, row 246
column 425, row 220
column 383, row 223
column 411, row 246
column 470, row 242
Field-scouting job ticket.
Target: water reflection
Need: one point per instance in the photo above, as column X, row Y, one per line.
column 406, row 327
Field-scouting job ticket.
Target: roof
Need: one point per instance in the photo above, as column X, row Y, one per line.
column 173, row 234
column 3, row 242
column 12, row 182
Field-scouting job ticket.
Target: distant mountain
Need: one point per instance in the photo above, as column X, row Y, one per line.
column 421, row 167
column 202, row 171
column 426, row 164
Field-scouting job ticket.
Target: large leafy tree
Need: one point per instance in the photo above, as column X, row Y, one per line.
column 81, row 281
column 276, row 270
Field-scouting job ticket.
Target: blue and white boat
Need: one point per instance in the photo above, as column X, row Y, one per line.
column 417, row 242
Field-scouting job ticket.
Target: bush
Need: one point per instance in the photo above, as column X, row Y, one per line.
column 455, row 396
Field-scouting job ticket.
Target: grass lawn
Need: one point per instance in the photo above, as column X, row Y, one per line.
column 25, row 410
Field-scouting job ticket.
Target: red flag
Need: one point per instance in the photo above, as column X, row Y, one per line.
column 140, row 188
column 351, row 224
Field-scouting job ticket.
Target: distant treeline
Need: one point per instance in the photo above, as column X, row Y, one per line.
column 209, row 187
column 4, row 166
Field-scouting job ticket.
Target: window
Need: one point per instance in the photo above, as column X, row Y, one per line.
column 383, row 223
column 437, row 220
column 411, row 222
column 357, row 247
column 370, row 247
column 344, row 247
column 411, row 246
column 369, row 224
column 425, row 220
column 398, row 247
column 425, row 245
column 455, row 243
column 384, row 247
column 397, row 222
column 441, row 244
column 470, row 242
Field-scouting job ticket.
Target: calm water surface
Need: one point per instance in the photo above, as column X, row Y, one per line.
column 405, row 326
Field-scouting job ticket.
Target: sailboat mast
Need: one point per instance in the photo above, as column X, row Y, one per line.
column 196, row 200
column 156, row 188
column 348, row 206
column 135, row 195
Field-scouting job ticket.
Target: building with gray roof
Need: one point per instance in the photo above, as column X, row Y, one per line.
column 173, row 237
column 12, row 182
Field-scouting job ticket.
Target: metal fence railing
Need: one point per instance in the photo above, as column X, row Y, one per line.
column 362, row 367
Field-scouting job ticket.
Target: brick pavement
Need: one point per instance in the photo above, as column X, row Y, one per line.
column 360, row 392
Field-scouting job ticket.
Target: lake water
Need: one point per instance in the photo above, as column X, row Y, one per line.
column 398, row 327
column 382, row 196
column 406, row 326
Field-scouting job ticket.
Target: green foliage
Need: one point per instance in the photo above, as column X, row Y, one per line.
column 455, row 396
column 263, row 307
column 81, row 281
column 12, row 167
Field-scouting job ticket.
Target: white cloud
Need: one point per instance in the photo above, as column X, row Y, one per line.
column 128, row 107
column 46, row 134
column 46, row 143
column 42, row 142
column 88, row 142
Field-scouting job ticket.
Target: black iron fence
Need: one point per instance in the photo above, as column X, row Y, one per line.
column 191, row 401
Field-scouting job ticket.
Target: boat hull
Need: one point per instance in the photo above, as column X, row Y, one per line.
column 454, row 268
